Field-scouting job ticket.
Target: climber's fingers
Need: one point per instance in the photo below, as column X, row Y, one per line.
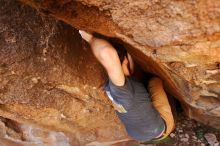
column 86, row 36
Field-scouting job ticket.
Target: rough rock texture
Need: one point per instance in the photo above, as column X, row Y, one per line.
column 16, row 134
column 176, row 40
column 48, row 78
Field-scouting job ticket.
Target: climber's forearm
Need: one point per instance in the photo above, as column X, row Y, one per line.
column 107, row 56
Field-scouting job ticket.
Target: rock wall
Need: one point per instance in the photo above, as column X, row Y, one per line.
column 176, row 40
column 16, row 134
column 50, row 79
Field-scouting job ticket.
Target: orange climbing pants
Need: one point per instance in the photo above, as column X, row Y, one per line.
column 161, row 104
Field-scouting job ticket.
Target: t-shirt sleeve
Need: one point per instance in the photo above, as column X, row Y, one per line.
column 122, row 94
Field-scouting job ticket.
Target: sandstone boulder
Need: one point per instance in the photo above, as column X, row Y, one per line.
column 176, row 40
column 50, row 79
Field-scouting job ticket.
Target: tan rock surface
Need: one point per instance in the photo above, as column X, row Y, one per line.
column 17, row 134
column 177, row 40
column 49, row 78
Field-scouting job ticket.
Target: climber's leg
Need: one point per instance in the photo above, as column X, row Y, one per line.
column 161, row 103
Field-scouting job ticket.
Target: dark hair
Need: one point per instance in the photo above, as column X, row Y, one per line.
column 121, row 50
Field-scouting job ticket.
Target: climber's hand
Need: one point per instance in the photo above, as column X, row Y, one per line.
column 96, row 44
column 107, row 56
column 86, row 36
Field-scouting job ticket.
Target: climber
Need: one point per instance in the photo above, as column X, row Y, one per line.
column 144, row 118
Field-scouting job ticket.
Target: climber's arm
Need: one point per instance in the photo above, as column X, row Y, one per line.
column 107, row 56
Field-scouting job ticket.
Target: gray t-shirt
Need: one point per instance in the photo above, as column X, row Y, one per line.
column 134, row 108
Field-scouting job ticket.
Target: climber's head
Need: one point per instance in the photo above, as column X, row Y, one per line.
column 125, row 59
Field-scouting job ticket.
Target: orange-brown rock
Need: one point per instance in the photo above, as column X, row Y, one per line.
column 176, row 40
column 50, row 79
